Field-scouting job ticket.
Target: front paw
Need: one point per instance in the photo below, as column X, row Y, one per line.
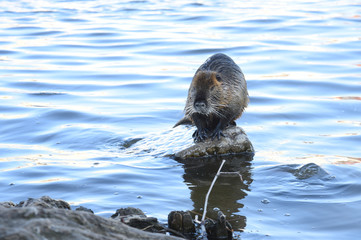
column 217, row 134
column 200, row 135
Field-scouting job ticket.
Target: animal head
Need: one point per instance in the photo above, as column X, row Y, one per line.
column 205, row 93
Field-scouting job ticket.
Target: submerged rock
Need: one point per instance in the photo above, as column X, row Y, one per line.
column 46, row 218
column 310, row 170
column 235, row 141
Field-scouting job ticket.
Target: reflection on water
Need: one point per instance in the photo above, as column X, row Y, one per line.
column 90, row 90
column 228, row 191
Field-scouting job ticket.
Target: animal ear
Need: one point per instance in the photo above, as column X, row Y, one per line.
column 218, row 77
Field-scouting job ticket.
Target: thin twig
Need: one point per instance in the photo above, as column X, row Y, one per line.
column 164, row 229
column 209, row 191
column 149, row 226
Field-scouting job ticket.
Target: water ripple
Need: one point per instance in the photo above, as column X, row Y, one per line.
column 90, row 91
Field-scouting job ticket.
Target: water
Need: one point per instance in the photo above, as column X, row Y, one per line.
column 90, row 91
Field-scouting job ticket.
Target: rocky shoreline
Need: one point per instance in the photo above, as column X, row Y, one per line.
column 46, row 218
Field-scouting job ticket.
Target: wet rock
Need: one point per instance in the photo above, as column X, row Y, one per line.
column 126, row 212
column 135, row 217
column 310, row 170
column 44, row 202
column 81, row 208
column 235, row 141
column 219, row 229
column 182, row 222
column 50, row 219
column 7, row 204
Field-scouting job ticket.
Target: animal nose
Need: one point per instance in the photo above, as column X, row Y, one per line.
column 200, row 105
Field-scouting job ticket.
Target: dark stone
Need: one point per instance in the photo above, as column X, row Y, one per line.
column 129, row 211
column 135, row 217
column 182, row 222
column 310, row 170
column 44, row 202
column 219, row 229
column 235, row 141
column 81, row 208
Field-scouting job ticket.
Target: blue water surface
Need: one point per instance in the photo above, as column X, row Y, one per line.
column 90, row 90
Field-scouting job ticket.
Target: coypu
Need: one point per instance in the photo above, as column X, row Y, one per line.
column 217, row 96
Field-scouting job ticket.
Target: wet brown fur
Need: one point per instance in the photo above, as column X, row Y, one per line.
column 220, row 86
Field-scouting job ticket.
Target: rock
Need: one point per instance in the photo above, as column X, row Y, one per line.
column 310, row 170
column 181, row 222
column 7, row 204
column 135, row 217
column 219, row 229
column 44, row 202
column 235, row 141
column 50, row 219
column 81, row 208
column 126, row 212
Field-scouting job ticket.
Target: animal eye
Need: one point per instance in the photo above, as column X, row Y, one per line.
column 219, row 79
column 212, row 88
